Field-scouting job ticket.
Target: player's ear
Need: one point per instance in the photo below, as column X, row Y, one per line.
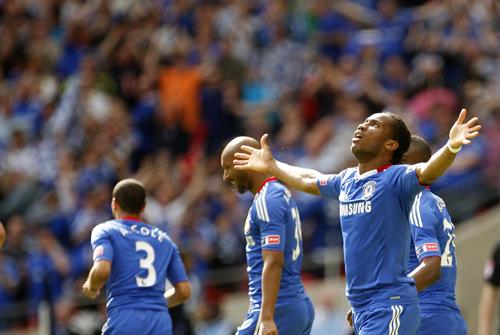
column 391, row 145
column 114, row 204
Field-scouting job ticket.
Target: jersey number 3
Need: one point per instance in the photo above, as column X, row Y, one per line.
column 146, row 263
column 298, row 233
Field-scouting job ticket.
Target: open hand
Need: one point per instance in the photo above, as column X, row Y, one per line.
column 257, row 160
column 461, row 133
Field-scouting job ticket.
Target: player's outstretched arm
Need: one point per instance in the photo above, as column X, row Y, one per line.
column 261, row 160
column 2, row 235
column 460, row 134
column 178, row 294
column 98, row 276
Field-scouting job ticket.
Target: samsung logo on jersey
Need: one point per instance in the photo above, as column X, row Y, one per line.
column 355, row 208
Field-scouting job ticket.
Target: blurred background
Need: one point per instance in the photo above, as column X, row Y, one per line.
column 95, row 91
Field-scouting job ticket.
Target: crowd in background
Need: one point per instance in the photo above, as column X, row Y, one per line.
column 98, row 90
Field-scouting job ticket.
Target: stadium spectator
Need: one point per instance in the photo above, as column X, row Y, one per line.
column 489, row 295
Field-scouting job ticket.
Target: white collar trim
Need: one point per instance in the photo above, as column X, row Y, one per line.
column 366, row 174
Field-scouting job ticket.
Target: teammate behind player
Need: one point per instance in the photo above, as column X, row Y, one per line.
column 375, row 203
column 278, row 302
column 432, row 261
column 489, row 295
column 134, row 259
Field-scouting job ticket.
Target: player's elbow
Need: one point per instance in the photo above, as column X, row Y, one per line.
column 102, row 270
column 183, row 290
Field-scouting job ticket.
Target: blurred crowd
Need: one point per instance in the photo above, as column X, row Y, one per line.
column 93, row 91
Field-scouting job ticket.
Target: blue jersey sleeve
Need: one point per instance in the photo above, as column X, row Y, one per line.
column 424, row 221
column 271, row 211
column 329, row 185
column 175, row 271
column 405, row 179
column 101, row 243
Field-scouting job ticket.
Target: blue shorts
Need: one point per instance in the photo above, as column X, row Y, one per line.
column 441, row 322
column 388, row 320
column 137, row 322
column 295, row 318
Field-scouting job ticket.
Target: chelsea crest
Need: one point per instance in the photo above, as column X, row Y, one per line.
column 368, row 189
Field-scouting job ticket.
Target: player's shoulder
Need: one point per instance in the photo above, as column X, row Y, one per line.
column 274, row 190
column 106, row 226
column 401, row 168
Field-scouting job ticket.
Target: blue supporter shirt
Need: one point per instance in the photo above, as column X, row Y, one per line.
column 374, row 211
column 433, row 234
column 273, row 223
column 142, row 258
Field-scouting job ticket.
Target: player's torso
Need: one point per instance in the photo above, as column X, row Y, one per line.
column 141, row 256
column 291, row 286
column 375, row 228
column 442, row 292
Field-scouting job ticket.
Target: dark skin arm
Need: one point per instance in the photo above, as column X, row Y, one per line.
column 427, row 273
column 271, row 279
column 2, row 235
column 178, row 294
column 98, row 276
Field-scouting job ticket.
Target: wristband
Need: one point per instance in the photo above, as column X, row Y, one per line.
column 453, row 150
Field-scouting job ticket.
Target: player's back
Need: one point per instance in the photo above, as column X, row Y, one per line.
column 141, row 257
column 273, row 223
column 433, row 234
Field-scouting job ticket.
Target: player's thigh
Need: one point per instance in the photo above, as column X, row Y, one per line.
column 248, row 326
column 442, row 323
column 135, row 322
column 294, row 318
column 388, row 320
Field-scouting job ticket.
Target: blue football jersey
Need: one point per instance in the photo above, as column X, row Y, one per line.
column 273, row 223
column 374, row 210
column 142, row 258
column 433, row 234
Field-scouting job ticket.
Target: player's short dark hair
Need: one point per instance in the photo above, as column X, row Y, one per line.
column 402, row 135
column 130, row 194
column 422, row 147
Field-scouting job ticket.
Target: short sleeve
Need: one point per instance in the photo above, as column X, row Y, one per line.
column 424, row 221
column 175, row 270
column 272, row 208
column 492, row 268
column 329, row 185
column 101, row 244
column 405, row 179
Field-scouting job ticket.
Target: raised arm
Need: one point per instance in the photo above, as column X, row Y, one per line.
column 261, row 160
column 460, row 134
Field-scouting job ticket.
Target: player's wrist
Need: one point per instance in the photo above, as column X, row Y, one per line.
column 453, row 147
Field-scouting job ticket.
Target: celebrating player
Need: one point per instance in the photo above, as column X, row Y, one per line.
column 278, row 302
column 375, row 203
column 135, row 259
column 432, row 262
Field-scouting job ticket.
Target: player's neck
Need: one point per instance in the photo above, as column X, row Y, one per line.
column 128, row 216
column 372, row 165
column 258, row 183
